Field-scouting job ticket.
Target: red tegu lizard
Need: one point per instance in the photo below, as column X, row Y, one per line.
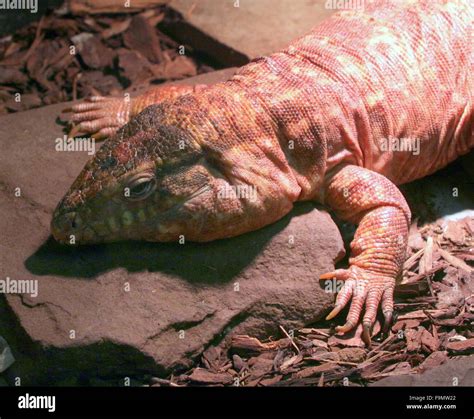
column 324, row 120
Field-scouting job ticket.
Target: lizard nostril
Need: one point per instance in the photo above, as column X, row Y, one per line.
column 73, row 220
column 66, row 222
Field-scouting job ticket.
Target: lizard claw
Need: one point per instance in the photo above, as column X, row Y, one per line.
column 363, row 287
column 99, row 116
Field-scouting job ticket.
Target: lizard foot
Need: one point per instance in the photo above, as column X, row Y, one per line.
column 364, row 287
column 99, row 116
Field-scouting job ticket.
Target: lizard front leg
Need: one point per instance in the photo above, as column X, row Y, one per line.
column 101, row 117
column 378, row 250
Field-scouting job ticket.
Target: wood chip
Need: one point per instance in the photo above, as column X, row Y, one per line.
column 116, row 28
column 400, row 368
column 238, row 363
column 201, row 375
column 426, row 262
column 428, row 342
column 453, row 260
column 374, row 368
column 316, row 331
column 405, row 324
column 351, row 355
column 454, row 232
column 433, row 360
column 294, row 360
column 93, row 51
column 413, row 339
column 421, row 276
column 142, row 37
column 316, row 370
column 12, row 75
column 461, row 347
column 270, row 381
column 245, row 342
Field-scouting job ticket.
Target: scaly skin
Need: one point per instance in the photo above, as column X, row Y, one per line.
column 308, row 123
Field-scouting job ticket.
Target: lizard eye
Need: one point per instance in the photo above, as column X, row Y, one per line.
column 141, row 187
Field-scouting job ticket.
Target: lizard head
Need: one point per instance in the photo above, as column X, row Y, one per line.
column 170, row 173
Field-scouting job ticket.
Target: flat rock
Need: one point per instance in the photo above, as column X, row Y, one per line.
column 453, row 372
column 236, row 31
column 126, row 309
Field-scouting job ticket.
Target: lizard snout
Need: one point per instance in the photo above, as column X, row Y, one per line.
column 65, row 225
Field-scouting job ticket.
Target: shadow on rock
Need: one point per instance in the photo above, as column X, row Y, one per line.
column 213, row 262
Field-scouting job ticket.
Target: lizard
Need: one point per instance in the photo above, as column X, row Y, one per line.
column 330, row 119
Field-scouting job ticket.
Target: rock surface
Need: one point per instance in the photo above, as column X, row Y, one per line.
column 236, row 31
column 129, row 308
column 454, row 372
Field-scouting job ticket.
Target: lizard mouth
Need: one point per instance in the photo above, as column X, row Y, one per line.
column 70, row 228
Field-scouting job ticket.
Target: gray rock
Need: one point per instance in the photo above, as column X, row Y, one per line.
column 6, row 356
column 458, row 371
column 236, row 31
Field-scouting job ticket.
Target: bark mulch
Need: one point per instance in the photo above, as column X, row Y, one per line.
column 66, row 57
column 435, row 314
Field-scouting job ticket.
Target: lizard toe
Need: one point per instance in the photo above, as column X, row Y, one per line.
column 88, row 115
column 99, row 116
column 343, row 297
column 387, row 309
column 358, row 299
column 104, row 133
column 98, row 128
column 338, row 274
column 374, row 295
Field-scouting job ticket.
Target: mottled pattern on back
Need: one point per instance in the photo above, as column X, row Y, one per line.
column 393, row 70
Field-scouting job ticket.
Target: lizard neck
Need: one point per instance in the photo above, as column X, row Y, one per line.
column 242, row 140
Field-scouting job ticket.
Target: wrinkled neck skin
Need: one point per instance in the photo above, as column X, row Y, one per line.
column 254, row 183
